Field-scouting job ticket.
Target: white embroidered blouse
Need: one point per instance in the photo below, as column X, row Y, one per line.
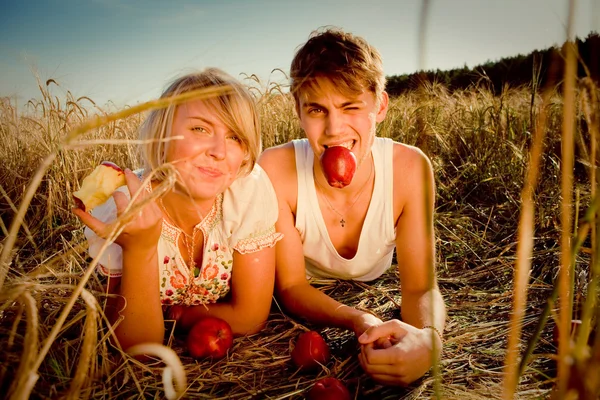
column 241, row 219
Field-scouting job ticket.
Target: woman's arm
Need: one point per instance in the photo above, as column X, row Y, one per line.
column 140, row 320
column 252, row 281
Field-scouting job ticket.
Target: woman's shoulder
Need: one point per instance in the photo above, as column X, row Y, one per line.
column 253, row 190
column 250, row 210
column 256, row 179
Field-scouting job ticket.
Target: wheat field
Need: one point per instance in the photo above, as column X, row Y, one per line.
column 509, row 268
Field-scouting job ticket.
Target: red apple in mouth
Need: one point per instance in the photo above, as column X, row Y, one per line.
column 210, row 337
column 329, row 389
column 310, row 351
column 98, row 186
column 339, row 165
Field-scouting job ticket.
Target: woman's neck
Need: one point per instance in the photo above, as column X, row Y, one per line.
column 184, row 211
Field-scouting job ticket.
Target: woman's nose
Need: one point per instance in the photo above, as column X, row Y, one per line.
column 217, row 148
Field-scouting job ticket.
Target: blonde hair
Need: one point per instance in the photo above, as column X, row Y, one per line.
column 236, row 108
column 346, row 60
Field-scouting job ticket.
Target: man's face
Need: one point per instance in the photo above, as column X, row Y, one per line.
column 332, row 118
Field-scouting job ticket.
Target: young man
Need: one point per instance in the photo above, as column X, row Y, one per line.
column 351, row 232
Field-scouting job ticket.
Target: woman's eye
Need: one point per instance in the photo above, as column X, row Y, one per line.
column 199, row 129
column 235, row 138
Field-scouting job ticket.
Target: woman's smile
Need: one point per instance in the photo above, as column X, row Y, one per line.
column 210, row 172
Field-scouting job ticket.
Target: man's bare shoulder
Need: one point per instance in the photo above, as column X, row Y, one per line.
column 278, row 160
column 280, row 164
column 413, row 172
column 410, row 158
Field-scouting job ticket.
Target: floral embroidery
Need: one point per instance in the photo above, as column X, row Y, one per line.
column 259, row 241
column 210, row 271
column 177, row 279
column 211, row 280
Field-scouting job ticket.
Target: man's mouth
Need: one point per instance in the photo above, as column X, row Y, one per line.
column 348, row 144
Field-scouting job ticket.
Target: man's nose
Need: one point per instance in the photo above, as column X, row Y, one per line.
column 335, row 123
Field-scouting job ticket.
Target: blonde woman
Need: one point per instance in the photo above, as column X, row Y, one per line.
column 211, row 235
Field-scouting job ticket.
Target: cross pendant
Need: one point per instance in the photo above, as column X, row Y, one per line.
column 342, row 222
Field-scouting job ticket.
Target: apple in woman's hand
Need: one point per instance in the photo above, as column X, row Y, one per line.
column 98, row 186
column 339, row 165
column 310, row 351
column 210, row 337
column 329, row 389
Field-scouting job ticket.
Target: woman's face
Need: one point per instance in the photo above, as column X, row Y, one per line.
column 209, row 156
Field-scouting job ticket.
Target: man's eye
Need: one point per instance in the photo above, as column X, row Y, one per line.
column 315, row 110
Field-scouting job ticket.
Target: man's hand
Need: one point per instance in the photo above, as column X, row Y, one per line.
column 408, row 356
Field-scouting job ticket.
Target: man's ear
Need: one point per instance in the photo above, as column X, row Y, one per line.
column 383, row 106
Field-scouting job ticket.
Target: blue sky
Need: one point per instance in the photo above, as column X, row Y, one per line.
column 127, row 51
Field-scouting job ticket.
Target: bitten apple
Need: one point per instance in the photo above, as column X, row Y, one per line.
column 210, row 337
column 339, row 165
column 98, row 186
column 329, row 389
column 310, row 351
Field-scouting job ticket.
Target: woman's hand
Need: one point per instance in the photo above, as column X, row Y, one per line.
column 142, row 229
column 408, row 356
column 363, row 322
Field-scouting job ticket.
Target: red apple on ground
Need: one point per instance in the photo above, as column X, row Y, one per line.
column 98, row 186
column 176, row 313
column 329, row 389
column 210, row 337
column 310, row 351
column 339, row 165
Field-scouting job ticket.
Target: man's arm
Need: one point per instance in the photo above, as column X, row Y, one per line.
column 422, row 303
column 411, row 350
column 291, row 287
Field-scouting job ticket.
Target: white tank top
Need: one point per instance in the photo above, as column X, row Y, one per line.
column 377, row 238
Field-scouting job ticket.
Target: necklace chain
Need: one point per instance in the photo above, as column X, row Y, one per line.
column 186, row 238
column 332, row 208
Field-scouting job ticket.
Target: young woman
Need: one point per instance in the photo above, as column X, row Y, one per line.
column 210, row 235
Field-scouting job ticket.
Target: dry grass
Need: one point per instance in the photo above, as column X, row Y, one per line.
column 479, row 145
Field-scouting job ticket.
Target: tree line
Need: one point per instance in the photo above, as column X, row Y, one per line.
column 535, row 68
